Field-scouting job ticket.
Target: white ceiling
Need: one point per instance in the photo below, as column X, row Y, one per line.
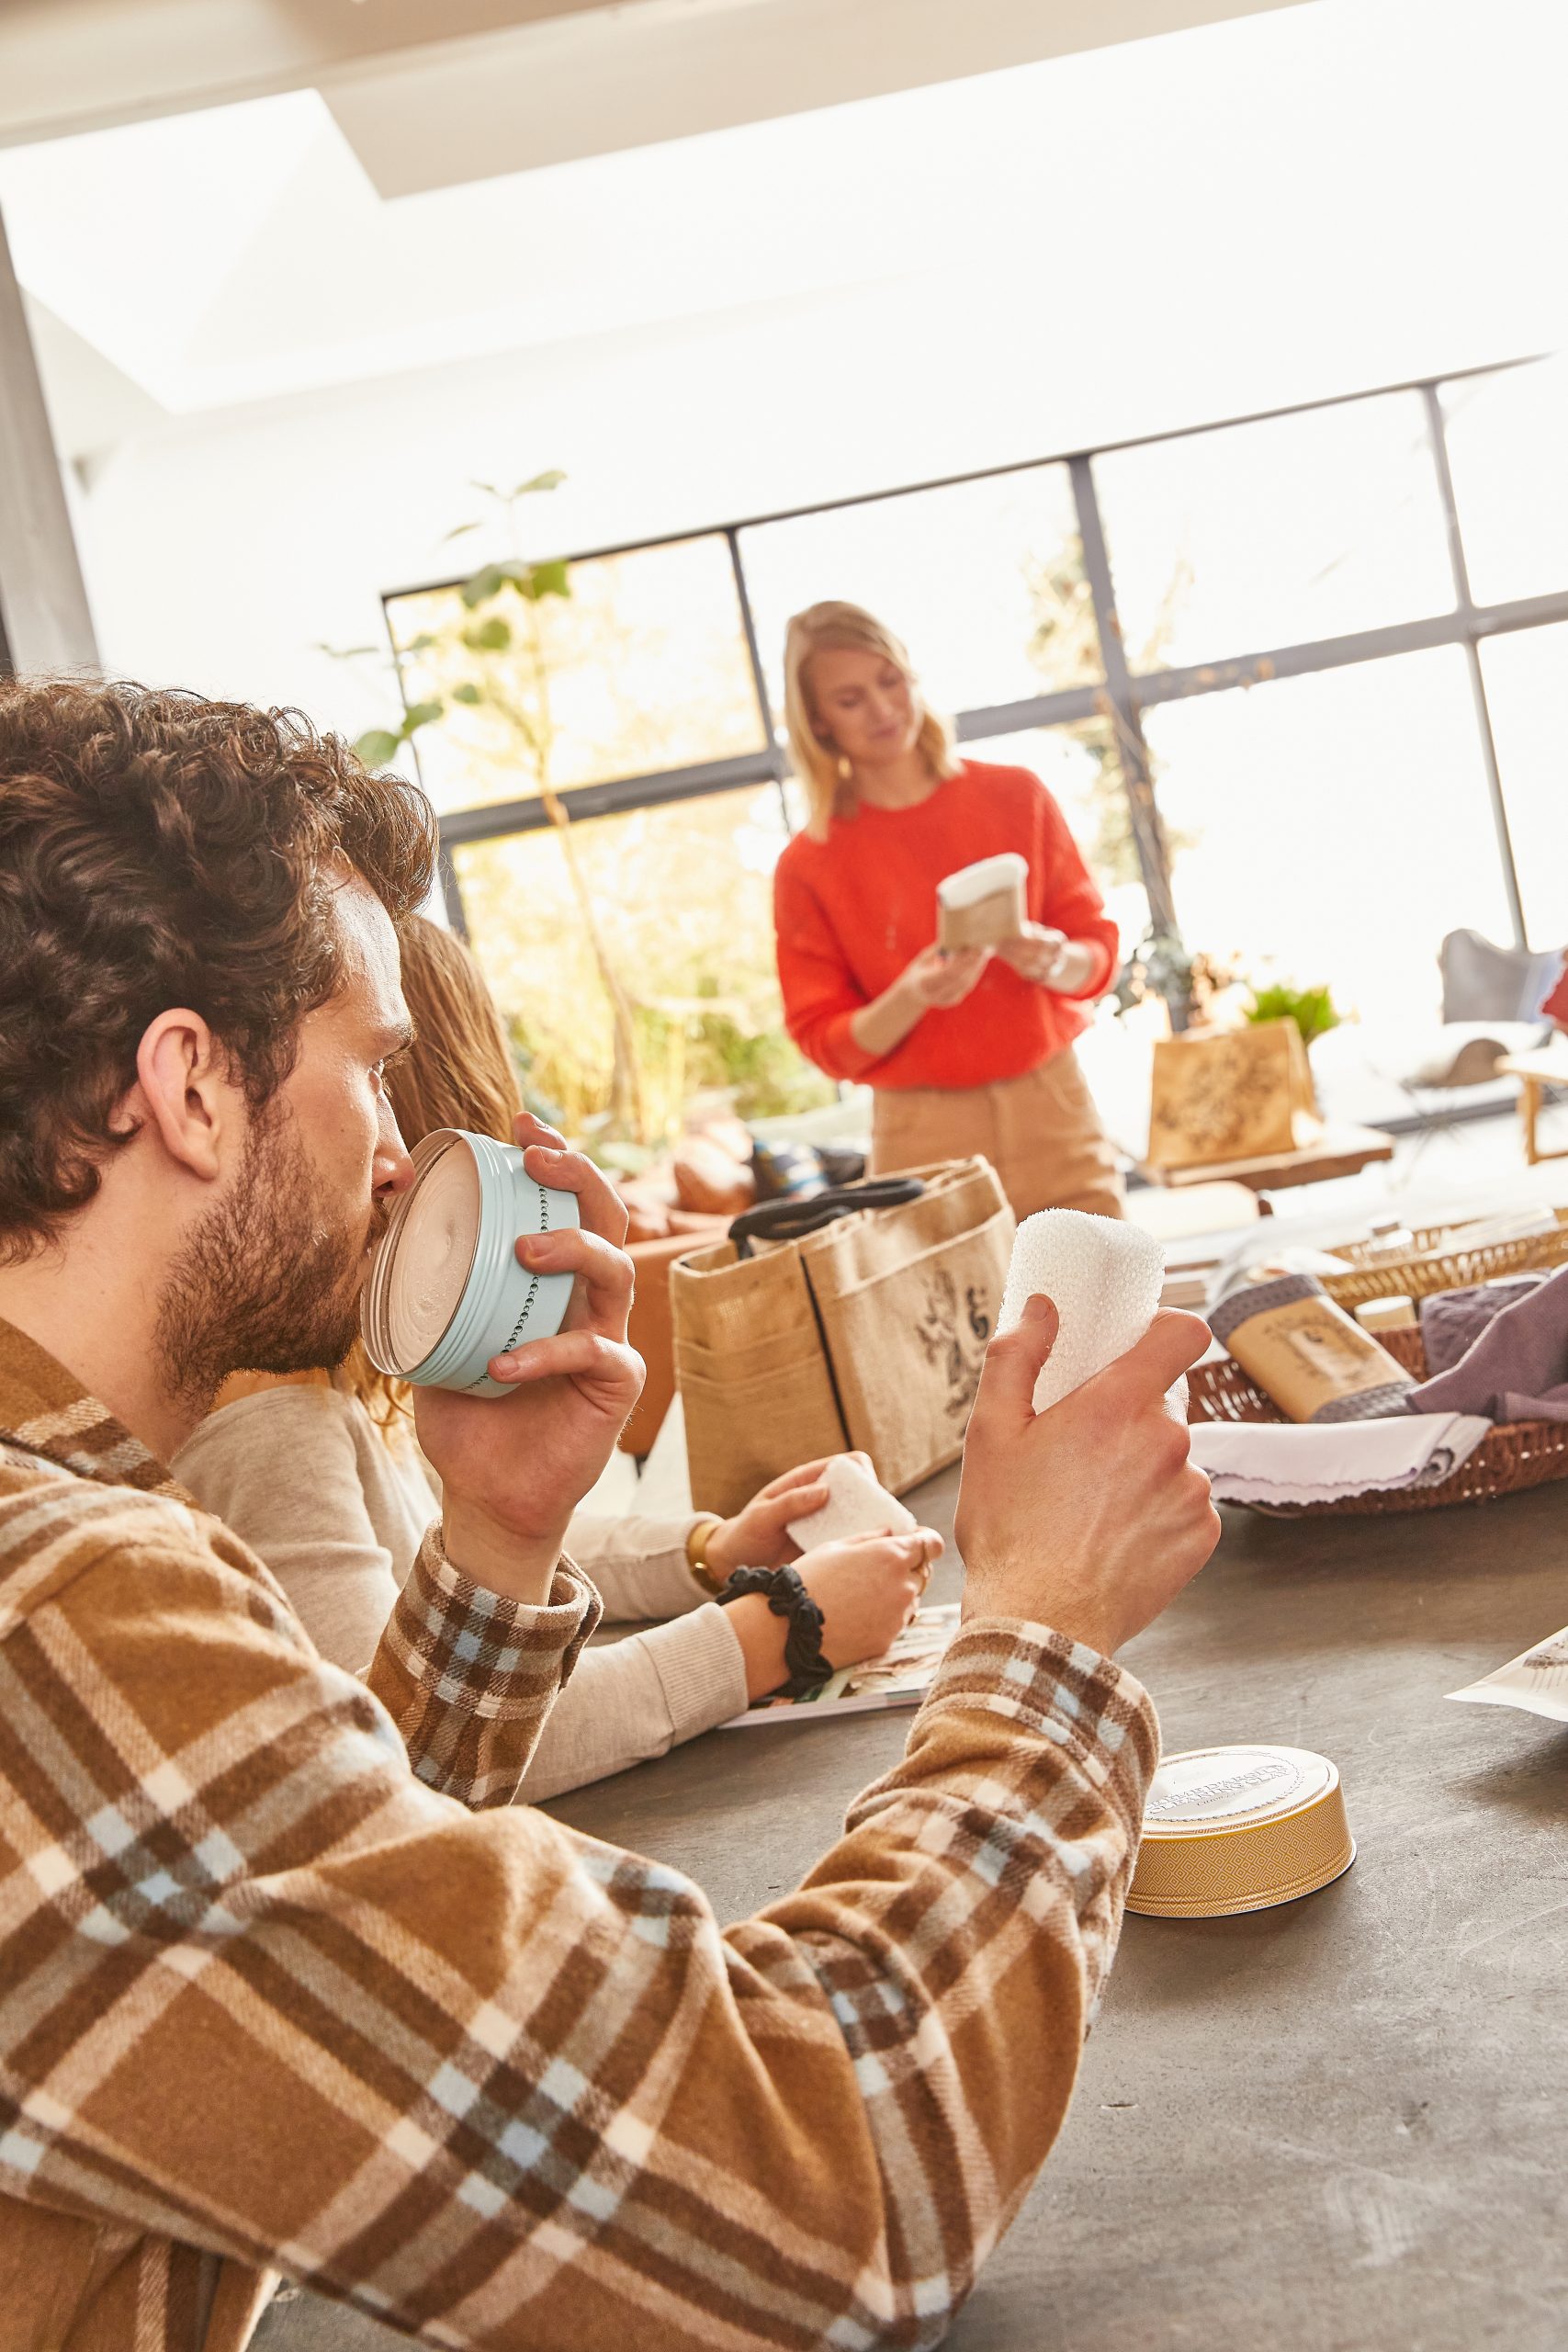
column 1338, row 169
column 74, row 65
column 602, row 79
column 433, row 92
column 244, row 252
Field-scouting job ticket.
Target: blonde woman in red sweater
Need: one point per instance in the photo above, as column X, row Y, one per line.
column 968, row 1052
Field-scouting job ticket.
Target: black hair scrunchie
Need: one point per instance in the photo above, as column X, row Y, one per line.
column 788, row 1596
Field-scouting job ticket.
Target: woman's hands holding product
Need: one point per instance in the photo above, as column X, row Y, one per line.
column 1088, row 1517
column 1050, row 959
column 513, row 1469
column 936, row 979
column 758, row 1537
column 932, row 982
column 868, row 1591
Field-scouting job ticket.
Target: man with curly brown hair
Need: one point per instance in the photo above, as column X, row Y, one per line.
column 286, row 1981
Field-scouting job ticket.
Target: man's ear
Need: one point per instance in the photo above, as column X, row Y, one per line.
column 184, row 1091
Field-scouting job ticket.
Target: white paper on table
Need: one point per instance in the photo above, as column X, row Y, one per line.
column 1536, row 1681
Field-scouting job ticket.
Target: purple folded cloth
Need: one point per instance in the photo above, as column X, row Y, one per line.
column 1452, row 1320
column 1517, row 1370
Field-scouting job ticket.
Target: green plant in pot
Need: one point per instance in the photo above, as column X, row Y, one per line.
column 1312, row 1010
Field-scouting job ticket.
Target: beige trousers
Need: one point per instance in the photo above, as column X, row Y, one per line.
column 1041, row 1133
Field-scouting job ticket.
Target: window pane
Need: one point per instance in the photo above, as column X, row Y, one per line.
column 969, row 577
column 642, row 667
column 681, row 897
column 1078, row 767
column 1274, row 534
column 1525, row 677
column 1507, row 440
column 1333, row 827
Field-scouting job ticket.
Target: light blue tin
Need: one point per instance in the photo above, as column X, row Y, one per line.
column 501, row 1302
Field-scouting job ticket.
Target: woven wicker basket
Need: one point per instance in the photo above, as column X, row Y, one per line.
column 1515, row 1455
column 1431, row 1269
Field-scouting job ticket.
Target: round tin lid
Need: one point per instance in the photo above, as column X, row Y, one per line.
column 1214, row 1788
column 1239, row 1830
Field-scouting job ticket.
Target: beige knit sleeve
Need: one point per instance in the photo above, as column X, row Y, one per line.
column 633, row 1699
column 637, row 1563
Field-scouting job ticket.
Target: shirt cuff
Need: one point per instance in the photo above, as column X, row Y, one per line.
column 1081, row 1701
column 838, row 1054
column 469, row 1648
column 701, row 1669
column 1104, row 972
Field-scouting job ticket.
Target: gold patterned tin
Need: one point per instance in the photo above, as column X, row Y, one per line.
column 1229, row 1829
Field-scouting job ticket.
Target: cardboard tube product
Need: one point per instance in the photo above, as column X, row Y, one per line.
column 1232, row 1830
column 983, row 904
column 446, row 1292
column 1312, row 1358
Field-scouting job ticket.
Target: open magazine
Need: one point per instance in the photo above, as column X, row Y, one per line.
column 899, row 1678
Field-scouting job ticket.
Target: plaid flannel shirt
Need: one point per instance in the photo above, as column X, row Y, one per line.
column 272, row 2000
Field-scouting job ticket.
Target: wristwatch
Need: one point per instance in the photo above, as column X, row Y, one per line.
column 697, row 1542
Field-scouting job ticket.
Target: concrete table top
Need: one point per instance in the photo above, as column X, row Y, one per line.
column 1328, row 2128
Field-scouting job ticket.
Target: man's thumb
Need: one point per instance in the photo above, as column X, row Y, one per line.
column 1013, row 1364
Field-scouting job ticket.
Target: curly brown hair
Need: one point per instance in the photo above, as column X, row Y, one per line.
column 158, row 849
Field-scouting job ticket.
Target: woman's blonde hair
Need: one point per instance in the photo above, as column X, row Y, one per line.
column 851, row 628
column 459, row 1072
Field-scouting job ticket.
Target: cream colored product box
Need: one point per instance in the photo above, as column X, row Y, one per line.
column 983, row 904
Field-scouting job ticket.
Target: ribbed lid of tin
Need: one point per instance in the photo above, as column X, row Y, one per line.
column 422, row 1265
column 1229, row 1829
column 431, row 1255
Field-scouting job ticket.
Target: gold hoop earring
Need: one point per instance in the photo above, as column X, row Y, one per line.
column 846, row 768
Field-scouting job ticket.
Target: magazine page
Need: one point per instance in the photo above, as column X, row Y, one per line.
column 899, row 1678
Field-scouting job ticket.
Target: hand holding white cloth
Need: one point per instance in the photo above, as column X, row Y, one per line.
column 1104, row 1278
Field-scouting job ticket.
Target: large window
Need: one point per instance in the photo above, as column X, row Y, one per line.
column 1507, row 440
column 1270, row 534
column 1333, row 827
column 971, row 574
column 1295, row 680
column 643, row 666
column 633, row 957
column 1525, row 676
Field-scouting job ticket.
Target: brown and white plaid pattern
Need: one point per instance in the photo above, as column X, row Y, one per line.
column 265, row 1995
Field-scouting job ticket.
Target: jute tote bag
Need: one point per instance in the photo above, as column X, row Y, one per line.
column 1230, row 1094
column 869, row 1333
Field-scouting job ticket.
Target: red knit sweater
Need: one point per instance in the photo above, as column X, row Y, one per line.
column 852, row 911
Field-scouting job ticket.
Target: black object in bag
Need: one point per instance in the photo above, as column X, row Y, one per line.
column 791, row 1218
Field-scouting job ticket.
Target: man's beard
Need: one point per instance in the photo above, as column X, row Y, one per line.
column 269, row 1279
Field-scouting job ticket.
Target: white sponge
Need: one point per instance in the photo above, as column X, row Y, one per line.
column 1006, row 871
column 856, row 1506
column 1105, row 1278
